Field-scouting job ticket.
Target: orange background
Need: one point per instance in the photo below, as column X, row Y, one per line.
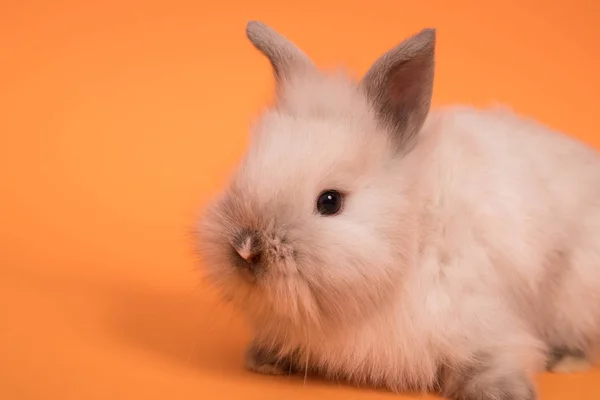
column 119, row 119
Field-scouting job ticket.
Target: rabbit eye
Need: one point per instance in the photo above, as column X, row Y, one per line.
column 329, row 202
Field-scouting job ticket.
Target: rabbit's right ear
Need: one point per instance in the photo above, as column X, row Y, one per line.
column 400, row 86
column 285, row 58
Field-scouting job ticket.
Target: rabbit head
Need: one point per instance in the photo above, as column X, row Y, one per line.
column 316, row 225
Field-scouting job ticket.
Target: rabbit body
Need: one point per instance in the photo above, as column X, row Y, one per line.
column 466, row 256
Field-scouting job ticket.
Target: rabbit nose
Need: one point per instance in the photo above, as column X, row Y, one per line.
column 248, row 247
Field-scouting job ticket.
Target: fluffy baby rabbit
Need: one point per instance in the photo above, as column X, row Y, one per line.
column 371, row 240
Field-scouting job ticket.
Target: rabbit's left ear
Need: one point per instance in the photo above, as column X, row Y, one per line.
column 400, row 86
column 285, row 57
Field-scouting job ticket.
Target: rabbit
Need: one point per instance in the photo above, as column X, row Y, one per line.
column 370, row 238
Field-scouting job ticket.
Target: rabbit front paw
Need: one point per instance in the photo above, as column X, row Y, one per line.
column 267, row 362
column 566, row 361
column 486, row 381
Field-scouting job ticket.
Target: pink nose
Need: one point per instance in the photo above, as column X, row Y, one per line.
column 247, row 246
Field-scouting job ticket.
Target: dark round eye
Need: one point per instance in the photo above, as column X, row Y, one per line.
column 329, row 202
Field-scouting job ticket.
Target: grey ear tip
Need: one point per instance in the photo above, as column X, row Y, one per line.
column 426, row 38
column 251, row 24
column 254, row 26
column 430, row 33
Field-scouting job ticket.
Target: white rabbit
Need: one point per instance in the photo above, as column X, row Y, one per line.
column 369, row 239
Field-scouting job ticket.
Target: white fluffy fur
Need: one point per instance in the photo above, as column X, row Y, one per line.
column 483, row 240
